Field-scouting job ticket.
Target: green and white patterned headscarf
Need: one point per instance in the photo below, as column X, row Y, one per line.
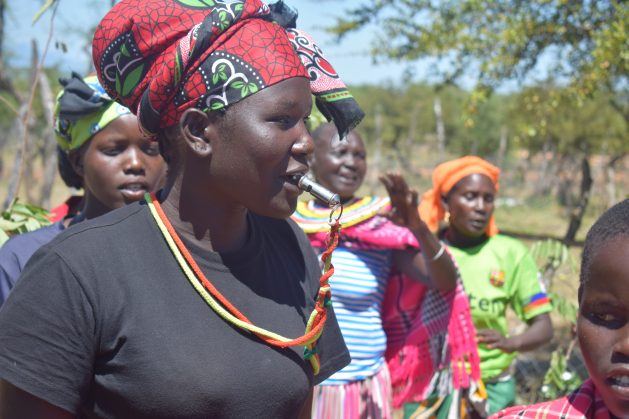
column 83, row 109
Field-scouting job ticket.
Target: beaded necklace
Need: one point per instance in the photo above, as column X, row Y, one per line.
column 314, row 219
column 231, row 314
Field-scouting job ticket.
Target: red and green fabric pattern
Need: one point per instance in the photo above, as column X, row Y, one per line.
column 162, row 57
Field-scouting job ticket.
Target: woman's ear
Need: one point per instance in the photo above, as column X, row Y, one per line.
column 197, row 130
column 76, row 161
column 444, row 203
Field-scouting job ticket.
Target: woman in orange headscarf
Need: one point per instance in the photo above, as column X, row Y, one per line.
column 497, row 271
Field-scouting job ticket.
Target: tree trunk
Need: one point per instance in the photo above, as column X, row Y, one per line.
column 21, row 129
column 402, row 151
column 565, row 181
column 544, row 184
column 610, row 174
column 3, row 7
column 441, row 130
column 28, row 182
column 411, row 140
column 576, row 215
column 502, row 148
column 49, row 152
column 5, row 83
column 22, row 125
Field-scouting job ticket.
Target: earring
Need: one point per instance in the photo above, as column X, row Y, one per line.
column 446, row 218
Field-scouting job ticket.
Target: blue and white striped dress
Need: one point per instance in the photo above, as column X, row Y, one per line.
column 358, row 286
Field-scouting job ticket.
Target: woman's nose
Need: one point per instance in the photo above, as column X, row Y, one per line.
column 133, row 162
column 620, row 349
column 349, row 160
column 305, row 143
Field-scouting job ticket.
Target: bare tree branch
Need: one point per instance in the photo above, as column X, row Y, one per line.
column 49, row 155
column 14, row 183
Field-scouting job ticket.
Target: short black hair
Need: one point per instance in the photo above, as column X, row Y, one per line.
column 168, row 142
column 614, row 223
column 172, row 145
column 322, row 131
column 71, row 178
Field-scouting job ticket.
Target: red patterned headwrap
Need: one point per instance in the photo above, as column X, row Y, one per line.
column 161, row 57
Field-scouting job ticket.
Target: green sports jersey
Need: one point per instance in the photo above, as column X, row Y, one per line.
column 497, row 274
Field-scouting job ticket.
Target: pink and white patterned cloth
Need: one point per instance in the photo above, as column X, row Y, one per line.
column 583, row 403
column 427, row 331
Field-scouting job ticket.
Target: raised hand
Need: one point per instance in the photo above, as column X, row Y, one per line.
column 404, row 201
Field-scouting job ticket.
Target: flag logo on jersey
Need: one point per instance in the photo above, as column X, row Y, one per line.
column 497, row 278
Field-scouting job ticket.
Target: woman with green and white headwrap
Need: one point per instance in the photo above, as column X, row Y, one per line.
column 101, row 150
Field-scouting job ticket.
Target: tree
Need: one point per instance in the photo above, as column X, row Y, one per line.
column 583, row 45
column 505, row 40
column 545, row 119
column 32, row 114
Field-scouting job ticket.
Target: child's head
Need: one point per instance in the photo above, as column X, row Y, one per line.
column 603, row 320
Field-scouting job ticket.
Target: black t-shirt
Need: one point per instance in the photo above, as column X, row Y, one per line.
column 103, row 323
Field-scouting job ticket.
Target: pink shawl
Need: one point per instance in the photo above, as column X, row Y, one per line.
column 418, row 321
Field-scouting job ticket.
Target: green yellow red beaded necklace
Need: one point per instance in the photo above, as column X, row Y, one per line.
column 314, row 219
column 228, row 312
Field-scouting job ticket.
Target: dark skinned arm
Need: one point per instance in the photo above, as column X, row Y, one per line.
column 19, row 404
column 538, row 332
column 439, row 273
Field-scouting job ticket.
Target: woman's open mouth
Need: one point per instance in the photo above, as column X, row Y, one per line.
column 134, row 191
column 292, row 182
column 478, row 224
column 348, row 179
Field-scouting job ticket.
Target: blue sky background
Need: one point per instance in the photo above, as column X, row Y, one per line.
column 75, row 17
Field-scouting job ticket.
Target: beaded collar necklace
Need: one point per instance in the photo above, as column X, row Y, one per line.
column 314, row 219
column 231, row 314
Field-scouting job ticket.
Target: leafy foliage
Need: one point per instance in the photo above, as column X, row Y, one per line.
column 582, row 46
column 551, row 115
column 502, row 40
column 20, row 218
column 565, row 308
column 400, row 108
column 551, row 254
column 560, row 378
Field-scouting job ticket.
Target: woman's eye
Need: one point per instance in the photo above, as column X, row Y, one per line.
column 151, row 149
column 111, row 151
column 606, row 319
column 285, row 121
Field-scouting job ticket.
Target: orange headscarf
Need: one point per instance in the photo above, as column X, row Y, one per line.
column 444, row 177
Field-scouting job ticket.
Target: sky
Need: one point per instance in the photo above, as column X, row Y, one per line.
column 350, row 57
